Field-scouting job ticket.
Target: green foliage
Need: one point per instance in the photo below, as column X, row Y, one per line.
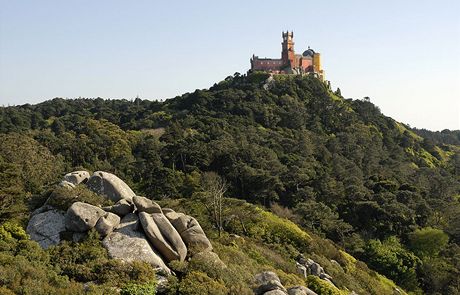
column 322, row 287
column 391, row 259
column 139, row 289
column 428, row 241
column 348, row 172
column 198, row 283
column 63, row 197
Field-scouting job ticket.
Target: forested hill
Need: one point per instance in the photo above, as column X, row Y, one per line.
column 340, row 167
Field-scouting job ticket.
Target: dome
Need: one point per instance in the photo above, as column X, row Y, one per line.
column 308, row 52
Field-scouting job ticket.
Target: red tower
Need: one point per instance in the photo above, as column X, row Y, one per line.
column 288, row 54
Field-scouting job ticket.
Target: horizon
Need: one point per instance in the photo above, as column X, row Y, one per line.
column 112, row 50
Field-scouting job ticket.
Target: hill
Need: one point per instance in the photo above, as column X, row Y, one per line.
column 336, row 167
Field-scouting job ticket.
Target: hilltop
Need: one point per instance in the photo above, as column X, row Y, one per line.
column 352, row 179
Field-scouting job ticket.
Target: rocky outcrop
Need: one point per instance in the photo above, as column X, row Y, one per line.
column 190, row 231
column 128, row 243
column 77, row 177
column 268, row 281
column 171, row 235
column 134, row 228
column 300, row 290
column 121, row 208
column 155, row 237
column 310, row 267
column 146, row 205
column 45, row 227
column 81, row 217
column 107, row 223
column 109, row 185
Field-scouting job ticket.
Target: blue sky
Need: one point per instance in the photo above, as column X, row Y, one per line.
column 404, row 55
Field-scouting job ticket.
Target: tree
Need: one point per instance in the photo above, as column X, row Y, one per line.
column 213, row 190
column 428, row 241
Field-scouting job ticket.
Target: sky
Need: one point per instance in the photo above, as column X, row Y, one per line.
column 404, row 55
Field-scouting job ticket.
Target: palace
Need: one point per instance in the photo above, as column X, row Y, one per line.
column 309, row 62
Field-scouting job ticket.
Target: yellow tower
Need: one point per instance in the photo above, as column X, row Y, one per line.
column 317, row 66
column 317, row 63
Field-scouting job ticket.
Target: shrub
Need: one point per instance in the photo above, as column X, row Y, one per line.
column 63, row 197
column 198, row 283
column 322, row 287
column 139, row 289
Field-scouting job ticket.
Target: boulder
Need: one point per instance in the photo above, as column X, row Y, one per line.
column 67, row 184
column 170, row 234
column 316, row 269
column 45, row 227
column 167, row 210
column 275, row 292
column 81, row 217
column 121, row 208
column 268, row 281
column 107, row 223
column 195, row 239
column 77, row 177
column 190, row 231
column 146, row 205
column 128, row 243
column 154, row 235
column 110, row 185
column 300, row 290
column 301, row 269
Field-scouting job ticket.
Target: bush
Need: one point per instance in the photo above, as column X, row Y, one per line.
column 198, row 283
column 139, row 289
column 322, row 287
column 63, row 197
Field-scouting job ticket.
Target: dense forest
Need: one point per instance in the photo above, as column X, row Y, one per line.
column 338, row 168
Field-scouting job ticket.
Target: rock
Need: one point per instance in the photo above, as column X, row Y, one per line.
column 121, row 208
column 170, row 233
column 154, row 235
column 275, row 292
column 42, row 209
column 45, row 227
column 81, row 217
column 325, row 276
column 67, row 184
column 146, row 205
column 107, row 223
column 77, row 177
column 300, row 290
column 110, row 185
column 268, row 281
column 167, row 210
column 127, row 243
column 301, row 269
column 190, row 231
column 195, row 239
column 316, row 269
